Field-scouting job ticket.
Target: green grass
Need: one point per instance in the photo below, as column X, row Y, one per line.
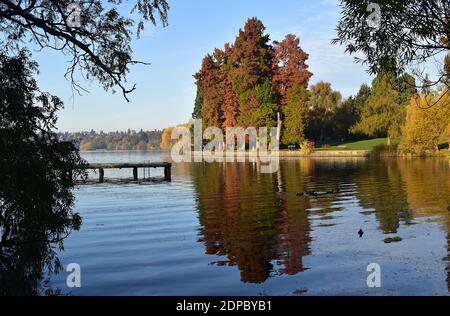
column 361, row 145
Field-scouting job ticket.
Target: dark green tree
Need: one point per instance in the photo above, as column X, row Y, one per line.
column 360, row 99
column 38, row 175
column 197, row 114
column 266, row 113
column 382, row 114
column 294, row 113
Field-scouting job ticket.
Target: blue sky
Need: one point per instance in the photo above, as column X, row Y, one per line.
column 165, row 90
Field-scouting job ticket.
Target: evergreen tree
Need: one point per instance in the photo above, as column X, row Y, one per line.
column 252, row 65
column 197, row 114
column 267, row 111
column 361, row 97
column 294, row 113
column 382, row 114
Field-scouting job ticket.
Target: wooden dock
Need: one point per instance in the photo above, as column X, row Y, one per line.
column 135, row 166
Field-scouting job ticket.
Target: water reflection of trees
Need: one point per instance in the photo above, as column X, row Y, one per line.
column 428, row 189
column 406, row 189
column 257, row 223
column 244, row 219
column 381, row 188
column 255, row 219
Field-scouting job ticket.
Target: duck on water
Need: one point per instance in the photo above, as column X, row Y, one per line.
column 315, row 193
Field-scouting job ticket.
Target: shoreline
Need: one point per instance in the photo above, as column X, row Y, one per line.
column 296, row 154
column 281, row 153
column 290, row 154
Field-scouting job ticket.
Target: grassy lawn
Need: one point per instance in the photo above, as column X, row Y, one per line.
column 360, row 145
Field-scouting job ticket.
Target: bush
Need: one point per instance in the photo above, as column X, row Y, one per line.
column 307, row 147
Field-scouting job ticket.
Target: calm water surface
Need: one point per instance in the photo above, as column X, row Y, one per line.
column 226, row 229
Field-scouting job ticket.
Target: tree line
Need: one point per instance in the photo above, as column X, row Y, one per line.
column 259, row 83
column 129, row 140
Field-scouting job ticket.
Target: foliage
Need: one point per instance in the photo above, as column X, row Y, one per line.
column 129, row 140
column 246, row 82
column 267, row 110
column 425, row 125
column 382, row 113
column 294, row 113
column 289, row 67
column 99, row 47
column 307, row 147
column 345, row 116
column 38, row 170
column 38, row 175
column 360, row 99
column 406, row 87
column 166, row 142
column 322, row 105
column 198, row 104
column 166, row 139
column 411, row 31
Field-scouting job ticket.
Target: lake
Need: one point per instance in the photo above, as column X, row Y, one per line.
column 226, row 229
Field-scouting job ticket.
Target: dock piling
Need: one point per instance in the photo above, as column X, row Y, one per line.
column 101, row 175
column 167, row 173
column 135, row 166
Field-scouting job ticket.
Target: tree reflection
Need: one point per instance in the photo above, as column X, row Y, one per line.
column 428, row 190
column 257, row 223
column 246, row 219
column 380, row 187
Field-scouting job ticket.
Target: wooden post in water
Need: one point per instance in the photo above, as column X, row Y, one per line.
column 101, row 175
column 135, row 166
column 167, row 172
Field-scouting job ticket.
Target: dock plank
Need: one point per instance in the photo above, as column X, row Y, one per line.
column 128, row 165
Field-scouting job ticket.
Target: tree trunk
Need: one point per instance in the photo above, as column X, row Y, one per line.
column 279, row 124
column 389, row 142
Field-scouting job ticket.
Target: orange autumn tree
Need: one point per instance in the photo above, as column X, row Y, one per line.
column 247, row 82
column 208, row 79
column 289, row 66
column 166, row 138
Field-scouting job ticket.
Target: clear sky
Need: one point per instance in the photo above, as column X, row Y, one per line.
column 166, row 91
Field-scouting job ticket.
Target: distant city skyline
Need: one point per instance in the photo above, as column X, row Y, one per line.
column 166, row 89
